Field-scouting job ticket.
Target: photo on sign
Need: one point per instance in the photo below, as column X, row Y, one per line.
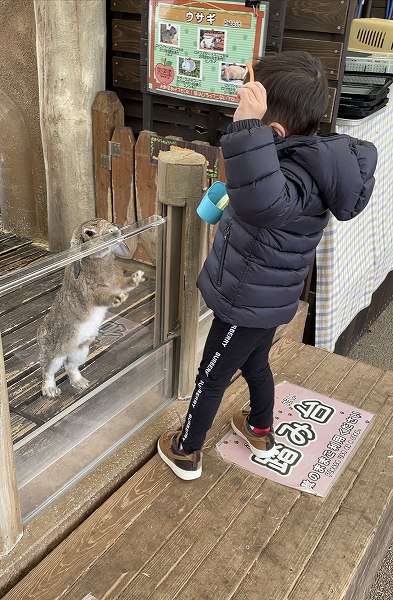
column 211, row 40
column 189, row 67
column 233, row 73
column 169, row 34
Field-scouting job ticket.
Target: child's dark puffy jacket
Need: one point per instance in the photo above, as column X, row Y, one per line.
column 281, row 191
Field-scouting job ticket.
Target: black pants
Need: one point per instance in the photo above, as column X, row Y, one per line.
column 227, row 349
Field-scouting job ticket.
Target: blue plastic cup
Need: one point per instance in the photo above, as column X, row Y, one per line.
column 207, row 209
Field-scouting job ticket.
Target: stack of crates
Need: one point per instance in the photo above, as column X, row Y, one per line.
column 369, row 68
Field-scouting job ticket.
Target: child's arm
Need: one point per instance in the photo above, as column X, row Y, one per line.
column 261, row 193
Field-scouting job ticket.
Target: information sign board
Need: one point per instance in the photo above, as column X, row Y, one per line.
column 198, row 50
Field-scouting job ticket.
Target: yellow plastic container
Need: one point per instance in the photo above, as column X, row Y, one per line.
column 374, row 35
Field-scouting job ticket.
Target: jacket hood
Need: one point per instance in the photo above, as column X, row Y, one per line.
column 342, row 167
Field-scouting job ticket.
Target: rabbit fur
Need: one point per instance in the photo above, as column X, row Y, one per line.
column 168, row 33
column 209, row 43
column 233, row 72
column 90, row 286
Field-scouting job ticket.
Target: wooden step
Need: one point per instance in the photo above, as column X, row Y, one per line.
column 229, row 532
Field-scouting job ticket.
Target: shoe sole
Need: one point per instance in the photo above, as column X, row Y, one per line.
column 258, row 453
column 185, row 475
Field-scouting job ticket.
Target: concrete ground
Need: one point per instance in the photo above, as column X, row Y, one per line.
column 376, row 347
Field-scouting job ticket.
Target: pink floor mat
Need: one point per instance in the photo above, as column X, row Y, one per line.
column 315, row 438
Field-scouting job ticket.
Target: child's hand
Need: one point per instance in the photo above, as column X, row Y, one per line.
column 252, row 102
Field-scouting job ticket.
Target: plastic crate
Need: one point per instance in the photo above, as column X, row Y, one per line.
column 375, row 35
column 374, row 62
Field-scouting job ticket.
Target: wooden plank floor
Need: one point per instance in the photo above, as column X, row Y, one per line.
column 231, row 534
column 128, row 328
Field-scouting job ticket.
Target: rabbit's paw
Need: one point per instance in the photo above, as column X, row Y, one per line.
column 135, row 279
column 138, row 277
column 119, row 299
column 51, row 390
column 80, row 384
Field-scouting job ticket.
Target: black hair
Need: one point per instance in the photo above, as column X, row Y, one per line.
column 297, row 90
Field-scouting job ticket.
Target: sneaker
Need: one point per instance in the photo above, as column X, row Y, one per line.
column 262, row 445
column 185, row 466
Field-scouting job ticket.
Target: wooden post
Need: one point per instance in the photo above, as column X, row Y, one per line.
column 182, row 180
column 10, row 516
column 70, row 39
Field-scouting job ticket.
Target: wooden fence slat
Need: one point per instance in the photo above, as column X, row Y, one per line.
column 146, row 195
column 107, row 113
column 145, row 177
column 123, row 184
column 124, row 210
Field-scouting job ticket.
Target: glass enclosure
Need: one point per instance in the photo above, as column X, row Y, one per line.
column 85, row 360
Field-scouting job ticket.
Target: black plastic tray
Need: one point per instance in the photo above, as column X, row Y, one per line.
column 353, row 101
column 365, row 86
column 358, row 112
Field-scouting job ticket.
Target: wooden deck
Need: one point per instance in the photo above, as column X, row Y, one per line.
column 22, row 311
column 231, row 534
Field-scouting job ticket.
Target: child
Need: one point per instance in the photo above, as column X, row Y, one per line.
column 282, row 181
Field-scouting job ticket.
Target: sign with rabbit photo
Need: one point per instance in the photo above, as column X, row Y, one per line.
column 199, row 50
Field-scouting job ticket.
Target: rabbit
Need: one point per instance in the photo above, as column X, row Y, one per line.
column 168, row 34
column 209, row 43
column 188, row 65
column 90, row 286
column 233, row 72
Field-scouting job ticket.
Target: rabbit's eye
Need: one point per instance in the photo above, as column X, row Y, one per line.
column 89, row 232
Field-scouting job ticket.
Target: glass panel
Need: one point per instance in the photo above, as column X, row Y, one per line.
column 75, row 441
column 105, row 368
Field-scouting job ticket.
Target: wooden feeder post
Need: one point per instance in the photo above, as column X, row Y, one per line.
column 10, row 516
column 182, row 180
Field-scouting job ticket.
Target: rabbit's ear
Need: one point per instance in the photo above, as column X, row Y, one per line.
column 76, row 268
column 77, row 265
column 121, row 250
